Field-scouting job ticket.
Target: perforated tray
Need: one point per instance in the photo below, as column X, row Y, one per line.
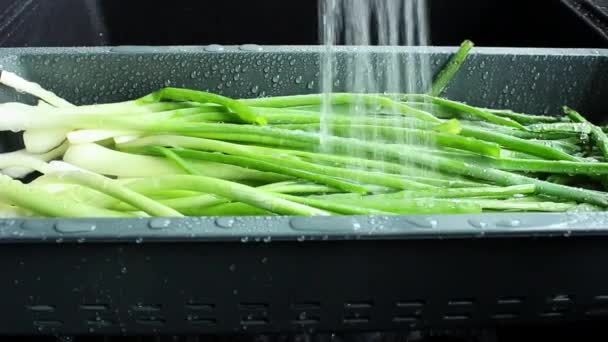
column 208, row 275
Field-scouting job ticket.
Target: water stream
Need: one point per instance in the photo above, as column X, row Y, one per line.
column 348, row 28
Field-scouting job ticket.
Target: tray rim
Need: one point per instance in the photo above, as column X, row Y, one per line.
column 267, row 229
column 215, row 49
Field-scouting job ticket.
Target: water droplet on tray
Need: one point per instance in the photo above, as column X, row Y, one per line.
column 214, row 48
column 478, row 223
column 426, row 222
column 509, row 223
column 159, row 223
column 225, row 222
column 72, row 227
column 34, row 224
column 251, row 47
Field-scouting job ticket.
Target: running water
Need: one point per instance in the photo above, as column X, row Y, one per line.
column 389, row 69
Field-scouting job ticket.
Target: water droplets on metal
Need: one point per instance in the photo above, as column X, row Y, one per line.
column 424, row 222
column 126, row 49
column 512, row 223
column 214, row 48
column 251, row 48
column 478, row 223
column 325, row 224
column 35, row 224
column 74, row 227
column 159, row 223
column 225, row 222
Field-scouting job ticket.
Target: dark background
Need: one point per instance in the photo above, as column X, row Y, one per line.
column 516, row 23
column 521, row 23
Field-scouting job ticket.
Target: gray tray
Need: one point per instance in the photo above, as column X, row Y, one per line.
column 204, row 275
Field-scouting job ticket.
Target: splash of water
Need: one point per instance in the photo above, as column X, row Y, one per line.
column 389, row 68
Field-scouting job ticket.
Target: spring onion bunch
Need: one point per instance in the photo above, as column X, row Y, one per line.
column 178, row 152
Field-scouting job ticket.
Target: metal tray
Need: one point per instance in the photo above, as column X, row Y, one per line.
column 226, row 275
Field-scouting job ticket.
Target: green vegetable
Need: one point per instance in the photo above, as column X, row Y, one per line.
column 28, row 197
column 447, row 73
column 187, row 95
column 596, row 132
column 183, row 151
column 236, row 192
column 114, row 189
